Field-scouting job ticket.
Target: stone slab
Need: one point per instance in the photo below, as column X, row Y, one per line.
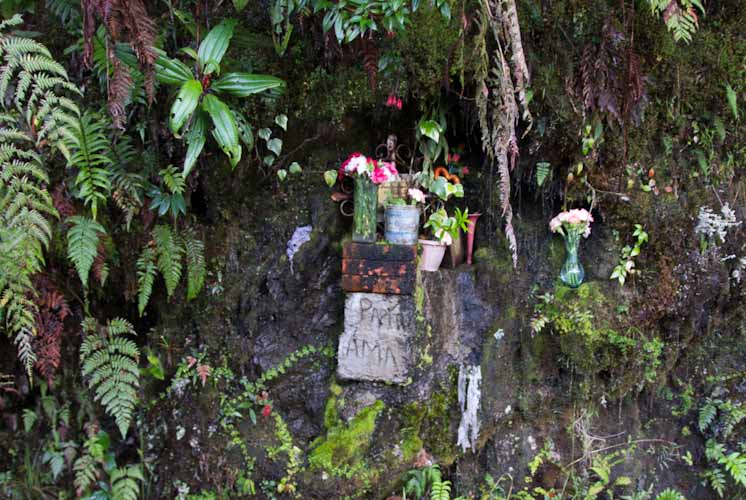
column 377, row 341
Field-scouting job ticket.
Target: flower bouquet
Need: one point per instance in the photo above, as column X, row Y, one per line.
column 368, row 173
column 571, row 225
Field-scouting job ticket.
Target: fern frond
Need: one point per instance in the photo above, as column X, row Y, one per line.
column 670, row 494
column 735, row 464
column 146, row 271
column 110, row 362
column 124, row 482
column 40, row 82
column 195, row 259
column 82, row 244
column 85, row 473
column 441, row 490
column 92, row 157
column 169, row 252
column 707, row 415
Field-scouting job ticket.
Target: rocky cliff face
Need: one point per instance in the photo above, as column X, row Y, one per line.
column 605, row 374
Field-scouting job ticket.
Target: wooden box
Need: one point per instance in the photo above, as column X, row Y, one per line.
column 373, row 268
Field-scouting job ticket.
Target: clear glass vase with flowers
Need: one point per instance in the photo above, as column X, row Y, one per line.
column 571, row 225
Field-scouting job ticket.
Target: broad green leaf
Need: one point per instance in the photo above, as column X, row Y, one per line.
column 269, row 160
column 224, row 129
column 172, row 71
column 444, row 189
column 295, row 168
column 282, row 174
column 211, row 67
column 190, row 52
column 184, row 105
column 240, row 5
column 264, row 133
column 275, row 145
column 245, row 84
column 330, row 177
column 431, row 129
column 282, row 121
column 213, row 47
column 195, row 139
column 730, row 94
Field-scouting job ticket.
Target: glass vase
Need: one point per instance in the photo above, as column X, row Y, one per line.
column 572, row 273
column 365, row 220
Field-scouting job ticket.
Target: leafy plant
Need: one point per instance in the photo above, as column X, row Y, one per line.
column 718, row 418
column 110, row 361
column 680, row 16
column 123, row 482
column 172, row 199
column 446, row 227
column 196, row 101
column 168, row 253
column 626, row 264
column 42, row 116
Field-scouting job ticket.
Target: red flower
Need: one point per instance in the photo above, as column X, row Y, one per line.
column 266, row 410
column 465, row 171
column 398, row 103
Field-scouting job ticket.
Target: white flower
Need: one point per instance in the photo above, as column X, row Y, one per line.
column 416, row 195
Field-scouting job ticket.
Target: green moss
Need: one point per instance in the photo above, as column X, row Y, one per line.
column 426, row 426
column 344, row 446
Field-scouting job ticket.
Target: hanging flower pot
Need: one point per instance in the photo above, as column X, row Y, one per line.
column 571, row 225
column 364, row 219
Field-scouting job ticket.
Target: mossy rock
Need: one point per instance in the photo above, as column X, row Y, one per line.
column 343, row 448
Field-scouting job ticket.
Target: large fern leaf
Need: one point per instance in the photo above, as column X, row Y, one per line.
column 82, row 244
column 91, row 156
column 110, row 362
column 195, row 259
column 38, row 80
column 33, row 81
column 169, row 251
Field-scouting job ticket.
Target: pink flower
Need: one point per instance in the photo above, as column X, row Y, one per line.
column 416, row 195
column 398, row 103
column 574, row 217
column 379, row 176
column 455, row 157
column 465, row 171
column 555, row 224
